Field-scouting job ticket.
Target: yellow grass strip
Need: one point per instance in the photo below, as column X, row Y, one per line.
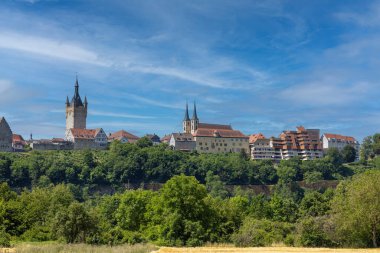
column 262, row 250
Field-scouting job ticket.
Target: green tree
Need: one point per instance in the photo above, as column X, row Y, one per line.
column 144, row 142
column 180, row 214
column 74, row 224
column 356, row 208
column 349, row 154
column 215, row 186
column 366, row 149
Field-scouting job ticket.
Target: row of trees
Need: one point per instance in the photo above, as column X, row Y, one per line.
column 185, row 212
column 144, row 163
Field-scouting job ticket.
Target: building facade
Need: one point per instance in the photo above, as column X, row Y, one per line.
column 18, row 143
column 182, row 142
column 123, row 136
column 87, row 138
column 340, row 141
column 303, row 143
column 261, row 147
column 212, row 138
column 5, row 136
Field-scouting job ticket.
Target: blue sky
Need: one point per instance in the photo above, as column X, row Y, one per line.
column 262, row 66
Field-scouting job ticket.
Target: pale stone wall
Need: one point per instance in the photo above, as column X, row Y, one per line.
column 221, row 144
column 76, row 117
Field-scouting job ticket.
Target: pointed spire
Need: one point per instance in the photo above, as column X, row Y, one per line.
column 85, row 101
column 76, row 100
column 187, row 118
column 76, row 87
column 195, row 116
column 67, row 101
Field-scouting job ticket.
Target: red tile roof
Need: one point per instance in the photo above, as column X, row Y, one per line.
column 254, row 137
column 166, row 138
column 340, row 137
column 219, row 133
column 16, row 138
column 123, row 134
column 84, row 133
column 56, row 140
column 214, row 126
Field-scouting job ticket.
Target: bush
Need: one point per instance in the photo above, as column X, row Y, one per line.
column 311, row 233
column 259, row 233
column 5, row 238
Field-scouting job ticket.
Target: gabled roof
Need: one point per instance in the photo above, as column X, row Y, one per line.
column 4, row 126
column 16, row 138
column 166, row 138
column 122, row 134
column 340, row 137
column 57, row 140
column 183, row 136
column 79, row 133
column 214, row 126
column 225, row 133
column 254, row 137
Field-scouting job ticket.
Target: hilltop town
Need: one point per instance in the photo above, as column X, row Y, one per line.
column 307, row 144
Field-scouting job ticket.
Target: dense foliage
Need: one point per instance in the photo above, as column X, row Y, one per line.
column 63, row 196
column 139, row 163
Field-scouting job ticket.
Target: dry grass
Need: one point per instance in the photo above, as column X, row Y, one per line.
column 262, row 250
column 82, row 248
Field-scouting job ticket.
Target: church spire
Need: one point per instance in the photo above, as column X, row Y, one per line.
column 187, row 118
column 85, row 101
column 67, row 101
column 195, row 116
column 76, row 100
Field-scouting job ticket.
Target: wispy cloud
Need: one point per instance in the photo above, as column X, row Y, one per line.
column 119, row 115
column 368, row 18
column 51, row 48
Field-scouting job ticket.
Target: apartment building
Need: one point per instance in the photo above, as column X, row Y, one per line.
column 261, row 147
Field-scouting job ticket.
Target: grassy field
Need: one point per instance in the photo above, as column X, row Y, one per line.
column 262, row 250
column 77, row 248
column 82, row 248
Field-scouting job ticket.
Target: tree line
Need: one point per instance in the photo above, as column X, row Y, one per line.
column 145, row 163
column 185, row 212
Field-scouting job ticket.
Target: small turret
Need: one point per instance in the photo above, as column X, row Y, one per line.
column 67, row 101
column 85, row 101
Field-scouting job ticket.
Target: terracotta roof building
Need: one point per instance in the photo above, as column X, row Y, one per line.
column 340, row 141
column 260, row 147
column 304, row 143
column 87, row 138
column 18, row 143
column 214, row 138
column 123, row 136
column 182, row 141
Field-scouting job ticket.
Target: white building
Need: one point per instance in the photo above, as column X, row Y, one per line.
column 261, row 147
column 340, row 141
column 87, row 138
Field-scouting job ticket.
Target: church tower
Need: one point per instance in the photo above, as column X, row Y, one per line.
column 186, row 121
column 76, row 111
column 194, row 120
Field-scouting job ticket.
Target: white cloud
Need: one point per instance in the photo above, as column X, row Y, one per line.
column 47, row 47
column 119, row 115
column 325, row 92
column 370, row 18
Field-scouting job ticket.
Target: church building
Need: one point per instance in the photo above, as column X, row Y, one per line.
column 213, row 138
column 76, row 131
